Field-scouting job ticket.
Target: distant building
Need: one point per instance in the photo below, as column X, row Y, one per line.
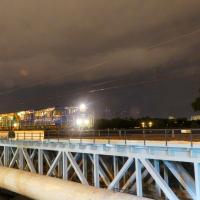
column 171, row 117
column 195, row 117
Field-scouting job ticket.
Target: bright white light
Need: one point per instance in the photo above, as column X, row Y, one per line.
column 86, row 122
column 83, row 107
column 150, row 124
column 15, row 125
column 143, row 124
column 79, row 122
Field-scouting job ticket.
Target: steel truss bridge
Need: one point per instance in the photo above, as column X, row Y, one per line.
column 152, row 168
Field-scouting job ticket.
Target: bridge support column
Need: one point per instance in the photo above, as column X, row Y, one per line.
column 60, row 167
column 157, row 167
column 116, row 168
column 120, row 173
column 197, row 179
column 166, row 175
column 158, row 179
column 6, row 156
column 96, row 170
column 40, row 161
column 65, row 166
column 138, row 168
column 84, row 157
column 21, row 159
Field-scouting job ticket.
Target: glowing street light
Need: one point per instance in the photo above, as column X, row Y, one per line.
column 15, row 125
column 143, row 124
column 79, row 122
column 150, row 124
column 83, row 107
column 86, row 122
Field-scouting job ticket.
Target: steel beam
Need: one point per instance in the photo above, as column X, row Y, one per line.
column 96, row 170
column 121, row 173
column 21, row 159
column 76, row 168
column 183, row 177
column 74, row 174
column 157, row 167
column 116, row 168
column 105, row 166
column 144, row 174
column 65, row 164
column 13, row 155
column 138, row 168
column 40, row 162
column 1, row 157
column 6, row 156
column 14, row 159
column 131, row 179
column 60, row 167
column 31, row 157
column 54, row 164
column 158, row 179
column 197, row 179
column 85, row 165
column 166, row 175
column 29, row 161
column 101, row 173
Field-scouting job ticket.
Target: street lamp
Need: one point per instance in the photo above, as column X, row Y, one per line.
column 82, row 107
column 150, row 124
column 143, row 124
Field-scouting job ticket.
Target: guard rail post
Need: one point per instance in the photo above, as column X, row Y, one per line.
column 144, row 136
column 120, row 133
column 99, row 133
column 108, row 136
column 94, row 137
column 166, row 137
column 81, row 137
column 58, row 136
column 125, row 137
column 191, row 138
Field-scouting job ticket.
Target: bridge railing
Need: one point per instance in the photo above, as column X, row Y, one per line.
column 167, row 135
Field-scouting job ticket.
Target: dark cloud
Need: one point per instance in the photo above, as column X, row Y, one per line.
column 69, row 48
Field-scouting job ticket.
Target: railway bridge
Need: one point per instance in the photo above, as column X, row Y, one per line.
column 158, row 166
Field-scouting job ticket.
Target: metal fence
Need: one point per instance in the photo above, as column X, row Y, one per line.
column 167, row 135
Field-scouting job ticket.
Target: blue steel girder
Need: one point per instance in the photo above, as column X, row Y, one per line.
column 66, row 154
column 159, row 180
column 183, row 177
column 181, row 154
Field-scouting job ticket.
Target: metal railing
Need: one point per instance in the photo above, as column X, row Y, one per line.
column 144, row 135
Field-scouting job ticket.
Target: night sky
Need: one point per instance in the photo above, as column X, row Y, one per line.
column 122, row 57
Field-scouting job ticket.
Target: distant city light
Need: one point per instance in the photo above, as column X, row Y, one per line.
column 150, row 124
column 83, row 107
column 79, row 122
column 86, row 122
column 15, row 125
column 143, row 124
column 147, row 124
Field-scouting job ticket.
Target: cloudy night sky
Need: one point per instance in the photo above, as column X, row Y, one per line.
column 133, row 56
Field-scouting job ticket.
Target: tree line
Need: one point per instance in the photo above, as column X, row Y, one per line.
column 156, row 123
